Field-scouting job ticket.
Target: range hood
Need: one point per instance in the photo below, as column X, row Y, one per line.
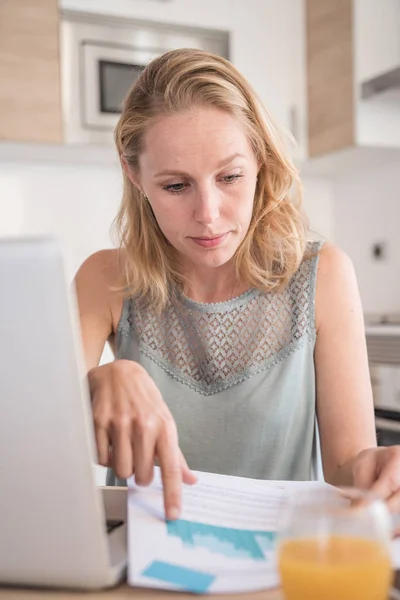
column 387, row 82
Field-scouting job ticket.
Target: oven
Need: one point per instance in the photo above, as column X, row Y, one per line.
column 383, row 343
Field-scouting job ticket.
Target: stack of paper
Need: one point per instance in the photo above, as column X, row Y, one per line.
column 222, row 543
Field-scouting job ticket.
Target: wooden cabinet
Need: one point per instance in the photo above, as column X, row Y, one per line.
column 331, row 120
column 30, row 100
column 346, row 50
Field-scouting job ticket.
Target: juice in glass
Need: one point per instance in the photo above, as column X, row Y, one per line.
column 334, row 544
column 338, row 567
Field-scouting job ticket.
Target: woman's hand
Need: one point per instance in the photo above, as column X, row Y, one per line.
column 134, row 427
column 378, row 469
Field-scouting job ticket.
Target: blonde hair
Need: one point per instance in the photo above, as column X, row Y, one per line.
column 275, row 243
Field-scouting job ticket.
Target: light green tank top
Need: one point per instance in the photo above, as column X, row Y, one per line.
column 237, row 376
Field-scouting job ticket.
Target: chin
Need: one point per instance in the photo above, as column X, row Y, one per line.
column 214, row 259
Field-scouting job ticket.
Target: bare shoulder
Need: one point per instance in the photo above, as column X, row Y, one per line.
column 102, row 267
column 332, row 257
column 337, row 289
column 98, row 284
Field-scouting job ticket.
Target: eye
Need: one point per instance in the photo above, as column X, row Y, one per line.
column 231, row 179
column 175, row 188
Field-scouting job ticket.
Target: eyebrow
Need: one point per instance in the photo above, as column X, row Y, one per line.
column 222, row 164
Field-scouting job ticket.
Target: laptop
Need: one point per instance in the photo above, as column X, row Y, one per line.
column 57, row 527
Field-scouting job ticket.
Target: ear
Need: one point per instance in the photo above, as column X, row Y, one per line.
column 129, row 173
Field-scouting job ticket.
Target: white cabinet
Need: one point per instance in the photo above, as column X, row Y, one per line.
column 267, row 46
column 205, row 13
column 377, row 72
column 377, row 37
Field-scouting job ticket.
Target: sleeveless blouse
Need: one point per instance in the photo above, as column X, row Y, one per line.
column 237, row 376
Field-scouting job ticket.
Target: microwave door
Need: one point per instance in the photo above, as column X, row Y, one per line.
column 115, row 79
column 107, row 75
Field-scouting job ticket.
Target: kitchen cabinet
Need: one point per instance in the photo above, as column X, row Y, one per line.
column 310, row 61
column 268, row 47
column 30, row 101
column 266, row 44
column 376, row 37
column 192, row 13
column 351, row 45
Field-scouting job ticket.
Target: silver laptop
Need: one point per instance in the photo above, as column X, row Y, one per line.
column 57, row 528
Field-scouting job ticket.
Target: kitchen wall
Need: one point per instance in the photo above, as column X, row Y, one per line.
column 367, row 211
column 77, row 203
column 319, row 204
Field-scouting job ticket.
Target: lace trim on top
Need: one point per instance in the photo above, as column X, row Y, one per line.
column 211, row 347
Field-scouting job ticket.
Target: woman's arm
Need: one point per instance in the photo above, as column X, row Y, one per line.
column 133, row 425
column 97, row 312
column 344, row 395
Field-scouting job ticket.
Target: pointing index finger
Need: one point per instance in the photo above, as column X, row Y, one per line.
column 171, row 473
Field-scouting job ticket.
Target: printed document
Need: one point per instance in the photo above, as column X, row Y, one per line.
column 223, row 541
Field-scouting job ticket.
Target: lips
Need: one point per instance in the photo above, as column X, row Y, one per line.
column 210, row 242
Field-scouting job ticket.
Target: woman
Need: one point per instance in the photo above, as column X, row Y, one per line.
column 230, row 330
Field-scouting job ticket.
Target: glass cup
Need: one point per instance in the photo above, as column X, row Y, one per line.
column 334, row 544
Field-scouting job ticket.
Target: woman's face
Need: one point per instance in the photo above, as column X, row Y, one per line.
column 199, row 173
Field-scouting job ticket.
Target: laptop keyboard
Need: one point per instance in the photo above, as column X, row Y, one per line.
column 113, row 524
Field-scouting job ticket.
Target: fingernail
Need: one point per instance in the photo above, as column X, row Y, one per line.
column 173, row 513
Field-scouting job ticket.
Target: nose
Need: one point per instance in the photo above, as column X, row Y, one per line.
column 206, row 208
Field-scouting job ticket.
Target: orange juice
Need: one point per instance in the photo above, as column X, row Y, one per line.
column 338, row 568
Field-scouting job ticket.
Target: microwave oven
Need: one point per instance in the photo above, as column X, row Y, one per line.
column 100, row 59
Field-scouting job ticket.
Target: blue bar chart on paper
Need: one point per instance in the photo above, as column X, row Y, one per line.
column 217, row 549
column 228, row 541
